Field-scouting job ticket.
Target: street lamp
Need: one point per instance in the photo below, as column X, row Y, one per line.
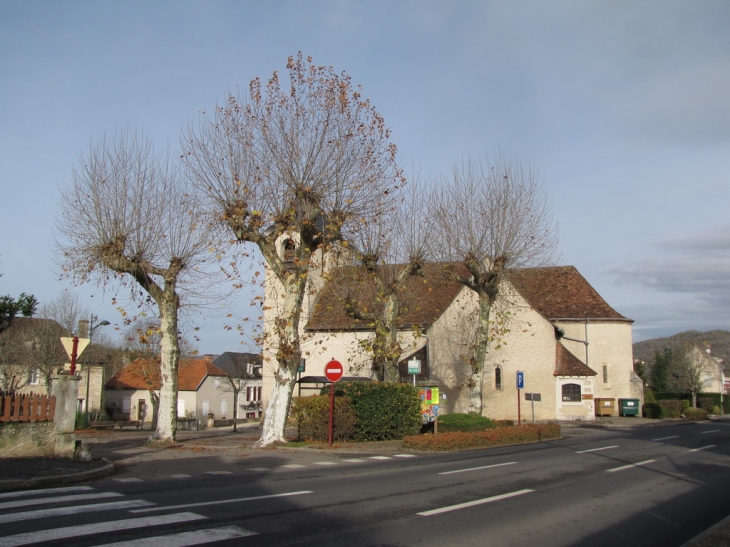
column 92, row 329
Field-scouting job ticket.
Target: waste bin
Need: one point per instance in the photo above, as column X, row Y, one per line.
column 628, row 407
column 605, row 407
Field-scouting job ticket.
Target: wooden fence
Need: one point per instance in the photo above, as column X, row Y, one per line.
column 27, row 408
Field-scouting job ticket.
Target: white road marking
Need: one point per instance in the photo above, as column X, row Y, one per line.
column 476, row 468
column 57, row 499
column 219, row 502
column 43, row 536
column 404, row 455
column 130, row 479
column 257, row 469
column 218, row 473
column 355, row 460
column 292, row 466
column 711, row 431
column 180, row 476
column 380, row 458
column 183, row 539
column 46, row 491
column 596, row 449
column 324, row 463
column 665, row 438
column 73, row 510
column 703, row 448
column 623, row 467
column 473, row 503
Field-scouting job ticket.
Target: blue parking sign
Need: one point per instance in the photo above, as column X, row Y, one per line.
column 520, row 379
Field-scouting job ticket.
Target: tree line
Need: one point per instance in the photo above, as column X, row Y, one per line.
column 296, row 167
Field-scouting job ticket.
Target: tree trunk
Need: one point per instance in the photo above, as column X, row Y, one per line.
column 476, row 376
column 288, row 355
column 170, row 355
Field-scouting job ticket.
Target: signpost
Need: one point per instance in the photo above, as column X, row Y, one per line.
column 333, row 372
column 533, row 397
column 520, row 385
column 74, row 347
column 414, row 368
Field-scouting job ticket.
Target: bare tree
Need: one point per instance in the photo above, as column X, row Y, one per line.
column 388, row 251
column 293, row 167
column 690, row 370
column 67, row 310
column 127, row 217
column 487, row 220
column 31, row 348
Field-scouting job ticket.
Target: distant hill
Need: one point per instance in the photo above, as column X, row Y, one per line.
column 717, row 340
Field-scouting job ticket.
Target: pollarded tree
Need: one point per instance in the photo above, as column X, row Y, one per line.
column 388, row 251
column 489, row 219
column 126, row 216
column 293, row 168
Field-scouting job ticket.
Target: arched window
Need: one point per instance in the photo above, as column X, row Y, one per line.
column 497, row 377
column 571, row 393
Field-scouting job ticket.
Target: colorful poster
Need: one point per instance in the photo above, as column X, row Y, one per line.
column 429, row 404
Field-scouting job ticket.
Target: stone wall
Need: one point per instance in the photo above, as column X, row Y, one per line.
column 23, row 439
column 45, row 439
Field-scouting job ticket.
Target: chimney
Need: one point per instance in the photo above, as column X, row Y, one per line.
column 83, row 328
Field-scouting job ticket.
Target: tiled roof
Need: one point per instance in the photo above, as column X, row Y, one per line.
column 567, row 364
column 423, row 300
column 235, row 364
column 191, row 372
column 559, row 292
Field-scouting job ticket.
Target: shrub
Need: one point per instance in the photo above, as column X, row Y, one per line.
column 695, row 414
column 706, row 403
column 672, row 404
column 685, row 403
column 649, row 395
column 651, row 410
column 464, row 422
column 312, row 416
column 670, row 413
column 458, row 440
column 716, row 410
column 384, row 411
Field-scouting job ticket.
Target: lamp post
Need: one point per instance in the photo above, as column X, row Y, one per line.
column 92, row 328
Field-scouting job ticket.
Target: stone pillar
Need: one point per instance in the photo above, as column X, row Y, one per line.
column 66, row 390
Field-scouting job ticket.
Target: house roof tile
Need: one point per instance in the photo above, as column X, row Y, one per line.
column 143, row 373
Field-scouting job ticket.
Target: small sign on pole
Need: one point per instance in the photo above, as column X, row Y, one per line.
column 414, row 368
column 333, row 372
column 520, row 385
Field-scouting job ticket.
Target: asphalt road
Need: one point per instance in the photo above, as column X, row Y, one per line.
column 637, row 487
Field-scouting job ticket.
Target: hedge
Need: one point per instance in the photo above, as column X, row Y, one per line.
column 464, row 422
column 516, row 434
column 312, row 417
column 384, row 411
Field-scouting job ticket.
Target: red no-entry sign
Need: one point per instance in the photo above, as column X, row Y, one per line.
column 333, row 370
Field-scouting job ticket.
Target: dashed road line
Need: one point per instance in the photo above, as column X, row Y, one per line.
column 380, row 458
column 129, row 479
column 476, row 468
column 473, row 503
column 324, row 463
column 220, row 502
column 665, row 438
column 711, row 431
column 218, row 473
column 623, row 467
column 703, row 448
column 596, row 449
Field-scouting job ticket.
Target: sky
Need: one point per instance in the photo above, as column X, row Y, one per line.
column 622, row 105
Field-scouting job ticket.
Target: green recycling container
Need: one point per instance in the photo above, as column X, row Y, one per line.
column 628, row 407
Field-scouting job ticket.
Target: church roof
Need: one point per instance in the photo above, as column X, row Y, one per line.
column 559, row 292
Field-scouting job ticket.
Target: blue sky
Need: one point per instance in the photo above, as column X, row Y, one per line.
column 623, row 106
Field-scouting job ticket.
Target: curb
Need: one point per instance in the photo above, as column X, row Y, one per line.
column 26, row 484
